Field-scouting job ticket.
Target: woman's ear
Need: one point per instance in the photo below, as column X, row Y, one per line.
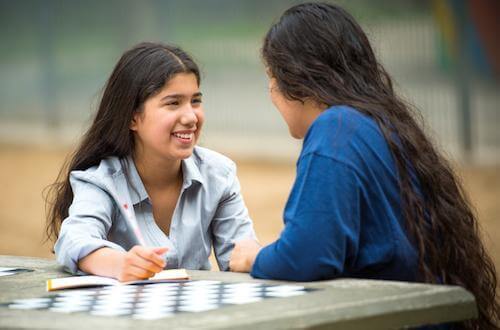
column 268, row 72
column 272, row 84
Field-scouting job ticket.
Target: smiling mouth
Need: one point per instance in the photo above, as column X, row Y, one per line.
column 184, row 136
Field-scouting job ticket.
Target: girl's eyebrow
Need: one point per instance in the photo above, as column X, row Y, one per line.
column 176, row 96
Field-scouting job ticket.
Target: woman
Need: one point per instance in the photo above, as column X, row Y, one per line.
column 138, row 164
column 372, row 197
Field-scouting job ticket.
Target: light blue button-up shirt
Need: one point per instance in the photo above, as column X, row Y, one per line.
column 210, row 212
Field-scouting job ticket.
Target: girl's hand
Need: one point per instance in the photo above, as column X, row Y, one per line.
column 243, row 255
column 140, row 262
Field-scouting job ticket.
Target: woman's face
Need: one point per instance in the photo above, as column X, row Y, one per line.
column 170, row 124
column 297, row 115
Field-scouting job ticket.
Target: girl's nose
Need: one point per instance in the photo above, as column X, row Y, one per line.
column 189, row 116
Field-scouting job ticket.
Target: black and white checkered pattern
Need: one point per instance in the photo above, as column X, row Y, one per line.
column 154, row 301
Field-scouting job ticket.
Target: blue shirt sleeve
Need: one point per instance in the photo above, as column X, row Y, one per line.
column 322, row 226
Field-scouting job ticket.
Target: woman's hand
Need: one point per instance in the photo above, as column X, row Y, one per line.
column 140, row 262
column 243, row 255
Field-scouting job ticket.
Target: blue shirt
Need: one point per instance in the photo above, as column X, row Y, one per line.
column 343, row 217
column 210, row 212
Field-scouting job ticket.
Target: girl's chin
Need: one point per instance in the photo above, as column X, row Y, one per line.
column 184, row 153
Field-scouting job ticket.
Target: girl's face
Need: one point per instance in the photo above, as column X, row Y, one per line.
column 170, row 124
column 297, row 115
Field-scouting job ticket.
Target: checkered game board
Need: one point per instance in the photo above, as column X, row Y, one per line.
column 159, row 300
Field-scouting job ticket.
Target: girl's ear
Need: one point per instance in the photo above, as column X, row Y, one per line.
column 133, row 122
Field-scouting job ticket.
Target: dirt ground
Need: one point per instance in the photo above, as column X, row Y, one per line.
column 26, row 170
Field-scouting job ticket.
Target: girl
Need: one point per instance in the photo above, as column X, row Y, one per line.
column 372, row 196
column 140, row 157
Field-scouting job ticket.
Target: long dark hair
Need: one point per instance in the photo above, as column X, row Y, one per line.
column 140, row 73
column 318, row 52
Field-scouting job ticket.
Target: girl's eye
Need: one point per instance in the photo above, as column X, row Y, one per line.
column 173, row 103
column 196, row 101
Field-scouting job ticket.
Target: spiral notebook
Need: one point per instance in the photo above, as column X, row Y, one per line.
column 169, row 275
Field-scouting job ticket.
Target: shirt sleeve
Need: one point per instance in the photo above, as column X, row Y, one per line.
column 231, row 221
column 321, row 232
column 86, row 227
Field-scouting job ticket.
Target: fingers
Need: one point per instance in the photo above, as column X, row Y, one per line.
column 233, row 265
column 150, row 255
column 140, row 273
column 235, row 259
column 243, row 255
column 141, row 262
column 133, row 273
column 138, row 261
column 146, row 259
column 160, row 250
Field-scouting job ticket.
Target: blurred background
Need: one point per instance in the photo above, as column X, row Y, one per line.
column 55, row 57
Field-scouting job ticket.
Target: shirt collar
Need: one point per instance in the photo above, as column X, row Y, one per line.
column 190, row 169
column 139, row 194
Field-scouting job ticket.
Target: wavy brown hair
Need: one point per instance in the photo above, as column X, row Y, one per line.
column 141, row 72
column 318, row 52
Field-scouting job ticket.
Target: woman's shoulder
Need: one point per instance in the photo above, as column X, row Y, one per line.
column 345, row 133
column 344, row 122
column 345, row 118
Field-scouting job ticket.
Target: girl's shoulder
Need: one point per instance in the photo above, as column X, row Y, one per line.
column 104, row 175
column 109, row 166
column 212, row 159
column 212, row 165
